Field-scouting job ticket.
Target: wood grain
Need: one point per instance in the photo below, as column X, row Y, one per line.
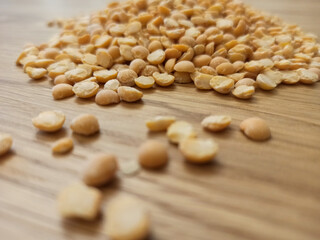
column 253, row 190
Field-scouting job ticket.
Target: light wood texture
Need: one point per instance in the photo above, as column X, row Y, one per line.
column 253, row 190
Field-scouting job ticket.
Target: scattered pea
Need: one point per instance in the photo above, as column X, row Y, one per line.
column 79, row 201
column 180, row 130
column 62, row 145
column 256, row 129
column 216, row 123
column 85, row 124
column 127, row 219
column 112, row 84
column 107, row 97
column 129, row 94
column 243, row 91
column 100, row 170
column 126, row 77
column 160, row 123
column 49, row 121
column 61, row 91
column 153, row 154
column 144, row 82
column 85, row 89
column 198, row 151
column 163, row 79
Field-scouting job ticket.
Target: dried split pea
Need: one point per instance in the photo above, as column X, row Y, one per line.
column 316, row 70
column 163, row 79
column 180, row 130
column 85, row 124
column 100, row 170
column 127, row 219
column 246, row 81
column 184, row 66
column 89, row 58
column 85, row 89
column 215, row 62
column 126, row 77
column 160, row 123
column 137, row 65
column 149, row 70
column 105, row 75
column 156, row 57
column 107, row 97
column 36, row 73
column 265, row 83
column 307, row 76
column 61, row 91
column 49, row 121
column 290, row 77
column 225, row 68
column 104, row 58
column 243, row 91
column 182, row 77
column 169, row 66
column 140, row 52
column 222, row 84
column 112, row 84
column 129, row 94
column 79, row 201
column 198, row 151
column 62, row 145
column 5, row 143
column 256, row 129
column 153, row 154
column 77, row 74
column 202, row 81
column 216, row 123
column 144, row 82
column 62, row 79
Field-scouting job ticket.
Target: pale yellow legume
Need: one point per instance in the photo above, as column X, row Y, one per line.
column 100, row 170
column 112, row 84
column 256, row 129
column 216, row 123
column 198, row 151
column 129, row 94
column 85, row 124
column 160, row 123
column 156, row 57
column 79, row 201
column 85, row 89
column 243, row 91
column 153, row 154
column 61, row 91
column 222, row 84
column 107, row 97
column 105, row 75
column 62, row 145
column 180, row 130
column 163, row 79
column 49, row 121
column 144, row 82
column 127, row 219
column 126, row 77
column 184, row 66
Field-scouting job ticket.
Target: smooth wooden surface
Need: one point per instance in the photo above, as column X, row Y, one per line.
column 268, row 190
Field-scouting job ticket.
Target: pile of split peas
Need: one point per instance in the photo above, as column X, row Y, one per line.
column 112, row 55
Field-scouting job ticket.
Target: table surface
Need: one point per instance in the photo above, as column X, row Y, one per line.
column 253, row 190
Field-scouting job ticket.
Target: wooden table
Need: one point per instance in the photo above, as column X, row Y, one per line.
column 253, row 190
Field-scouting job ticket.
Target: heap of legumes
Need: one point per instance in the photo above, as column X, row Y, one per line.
column 222, row 45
